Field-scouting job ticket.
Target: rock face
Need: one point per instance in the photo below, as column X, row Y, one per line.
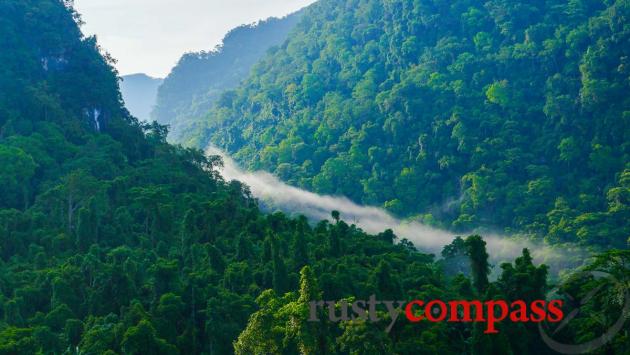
column 139, row 92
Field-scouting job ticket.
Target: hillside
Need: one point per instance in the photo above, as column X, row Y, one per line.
column 195, row 83
column 112, row 241
column 139, row 92
column 507, row 114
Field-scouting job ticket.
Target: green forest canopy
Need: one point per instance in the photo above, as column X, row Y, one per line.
column 505, row 113
column 113, row 241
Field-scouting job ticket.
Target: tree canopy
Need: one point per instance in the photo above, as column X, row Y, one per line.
column 112, row 241
column 509, row 114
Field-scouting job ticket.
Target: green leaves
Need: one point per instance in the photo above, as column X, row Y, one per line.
column 498, row 93
column 18, row 169
column 116, row 242
column 142, row 339
column 476, row 251
column 470, row 92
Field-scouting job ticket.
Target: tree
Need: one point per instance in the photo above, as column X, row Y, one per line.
column 216, row 259
column 523, row 282
column 151, row 199
column 387, row 236
column 258, row 337
column 12, row 315
column 87, row 225
column 476, row 249
column 385, row 280
column 142, row 339
column 73, row 331
column 18, row 169
column 310, row 337
column 77, row 188
column 16, row 340
column 223, row 327
column 169, row 314
column 361, row 338
column 280, row 279
column 498, row 93
column 299, row 250
column 569, row 150
column 243, row 248
column 101, row 335
column 188, row 233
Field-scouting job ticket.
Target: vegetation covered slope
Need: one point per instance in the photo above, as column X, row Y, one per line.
column 470, row 113
column 114, row 242
column 139, row 91
column 195, row 83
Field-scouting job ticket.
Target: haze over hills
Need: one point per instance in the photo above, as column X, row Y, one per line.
column 139, row 93
column 195, row 83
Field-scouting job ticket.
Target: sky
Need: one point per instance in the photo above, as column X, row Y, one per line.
column 149, row 36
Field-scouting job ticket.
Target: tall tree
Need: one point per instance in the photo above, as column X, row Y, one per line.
column 476, row 248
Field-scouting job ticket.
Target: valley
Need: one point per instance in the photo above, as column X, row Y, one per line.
column 468, row 153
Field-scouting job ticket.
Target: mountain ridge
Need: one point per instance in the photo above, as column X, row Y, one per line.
column 194, row 85
column 139, row 93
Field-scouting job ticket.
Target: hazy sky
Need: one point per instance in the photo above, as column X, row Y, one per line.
column 149, row 36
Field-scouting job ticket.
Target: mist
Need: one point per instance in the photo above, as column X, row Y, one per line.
column 292, row 200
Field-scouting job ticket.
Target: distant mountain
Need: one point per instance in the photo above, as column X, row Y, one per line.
column 198, row 79
column 139, row 92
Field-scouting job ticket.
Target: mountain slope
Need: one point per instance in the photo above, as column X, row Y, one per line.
column 194, row 84
column 139, row 92
column 114, row 242
column 468, row 113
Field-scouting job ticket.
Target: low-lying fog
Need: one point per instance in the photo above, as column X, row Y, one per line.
column 292, row 200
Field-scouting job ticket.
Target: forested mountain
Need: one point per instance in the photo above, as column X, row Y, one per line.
column 139, row 92
column 114, row 242
column 195, row 83
column 467, row 113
